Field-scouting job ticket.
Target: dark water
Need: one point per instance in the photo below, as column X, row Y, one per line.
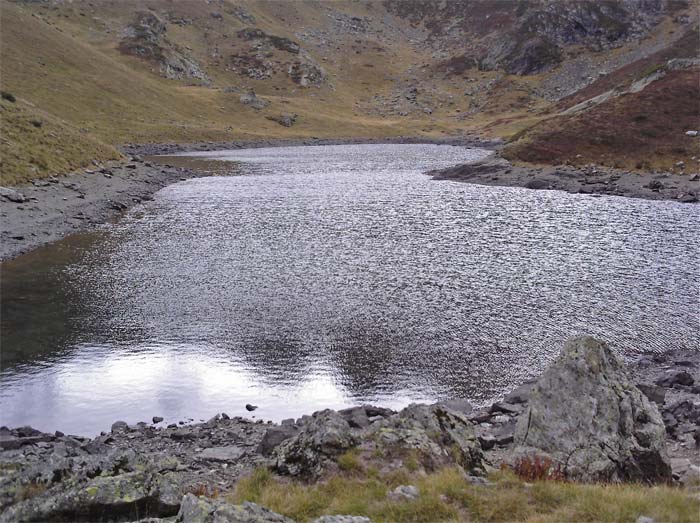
column 328, row 276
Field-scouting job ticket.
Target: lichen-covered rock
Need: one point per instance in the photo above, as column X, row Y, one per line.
column 441, row 436
column 592, row 421
column 129, row 495
column 306, row 73
column 195, row 509
column 342, row 519
column 321, row 438
column 252, row 100
column 145, row 38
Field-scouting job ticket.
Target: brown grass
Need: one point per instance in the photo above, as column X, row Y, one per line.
column 644, row 129
column 446, row 496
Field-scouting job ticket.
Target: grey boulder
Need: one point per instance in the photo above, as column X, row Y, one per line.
column 200, row 509
column 322, row 437
column 587, row 416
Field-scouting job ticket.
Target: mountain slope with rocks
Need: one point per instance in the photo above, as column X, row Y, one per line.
column 161, row 71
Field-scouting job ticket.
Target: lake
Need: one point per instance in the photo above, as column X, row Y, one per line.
column 327, row 276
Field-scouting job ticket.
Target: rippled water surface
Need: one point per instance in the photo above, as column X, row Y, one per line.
column 327, row 276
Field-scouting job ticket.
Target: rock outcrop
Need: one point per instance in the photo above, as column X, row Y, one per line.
column 585, row 415
column 321, row 438
column 433, row 434
column 145, row 38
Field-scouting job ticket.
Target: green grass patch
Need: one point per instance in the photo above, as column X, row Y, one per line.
column 446, row 496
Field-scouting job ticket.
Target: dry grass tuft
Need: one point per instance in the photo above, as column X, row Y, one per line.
column 447, row 496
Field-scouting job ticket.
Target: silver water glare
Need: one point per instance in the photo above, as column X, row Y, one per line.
column 316, row 277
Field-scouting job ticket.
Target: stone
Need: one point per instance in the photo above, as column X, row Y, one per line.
column 200, row 509
column 519, row 395
column 157, row 419
column 587, row 416
column 645, row 519
column 507, row 408
column 223, row 454
column 536, row 183
column 285, row 120
column 275, row 436
column 691, row 133
column 342, row 519
column 120, row 426
column 441, row 437
column 12, row 195
column 359, row 417
column 321, row 437
column 653, row 392
column 250, row 408
column 458, row 405
column 676, row 377
column 252, row 100
column 123, row 496
column 404, row 492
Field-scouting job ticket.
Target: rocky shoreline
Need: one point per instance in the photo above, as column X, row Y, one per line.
column 52, row 208
column 592, row 179
column 587, row 418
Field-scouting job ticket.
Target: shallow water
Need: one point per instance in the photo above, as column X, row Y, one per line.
column 329, row 276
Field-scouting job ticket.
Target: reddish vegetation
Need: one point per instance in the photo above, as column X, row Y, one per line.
column 685, row 47
column 639, row 130
column 538, row 469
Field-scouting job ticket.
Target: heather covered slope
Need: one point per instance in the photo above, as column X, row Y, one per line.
column 634, row 118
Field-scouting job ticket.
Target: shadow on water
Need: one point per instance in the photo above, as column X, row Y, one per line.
column 40, row 312
column 327, row 276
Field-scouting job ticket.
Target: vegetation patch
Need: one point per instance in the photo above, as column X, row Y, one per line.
column 447, row 496
column 35, row 145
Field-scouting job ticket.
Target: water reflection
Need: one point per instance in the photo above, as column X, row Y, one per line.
column 326, row 276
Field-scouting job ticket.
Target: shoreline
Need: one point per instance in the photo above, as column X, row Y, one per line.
column 49, row 209
column 213, row 456
column 52, row 208
column 591, row 180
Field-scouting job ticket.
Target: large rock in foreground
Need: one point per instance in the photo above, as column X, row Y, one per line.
column 592, row 421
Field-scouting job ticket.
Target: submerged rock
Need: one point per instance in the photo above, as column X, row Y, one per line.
column 592, row 421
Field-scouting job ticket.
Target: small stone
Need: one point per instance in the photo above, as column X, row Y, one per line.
column 342, row 519
column 653, row 392
column 250, row 408
column 404, row 492
column 676, row 378
column 157, row 419
column 223, row 454
column 119, row 426
column 645, row 519
column 12, row 195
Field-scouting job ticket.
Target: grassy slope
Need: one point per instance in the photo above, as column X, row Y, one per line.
column 63, row 63
column 640, row 130
column 446, row 496
column 64, row 59
column 35, row 144
column 84, row 79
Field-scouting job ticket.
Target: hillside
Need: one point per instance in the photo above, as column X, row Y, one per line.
column 162, row 71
